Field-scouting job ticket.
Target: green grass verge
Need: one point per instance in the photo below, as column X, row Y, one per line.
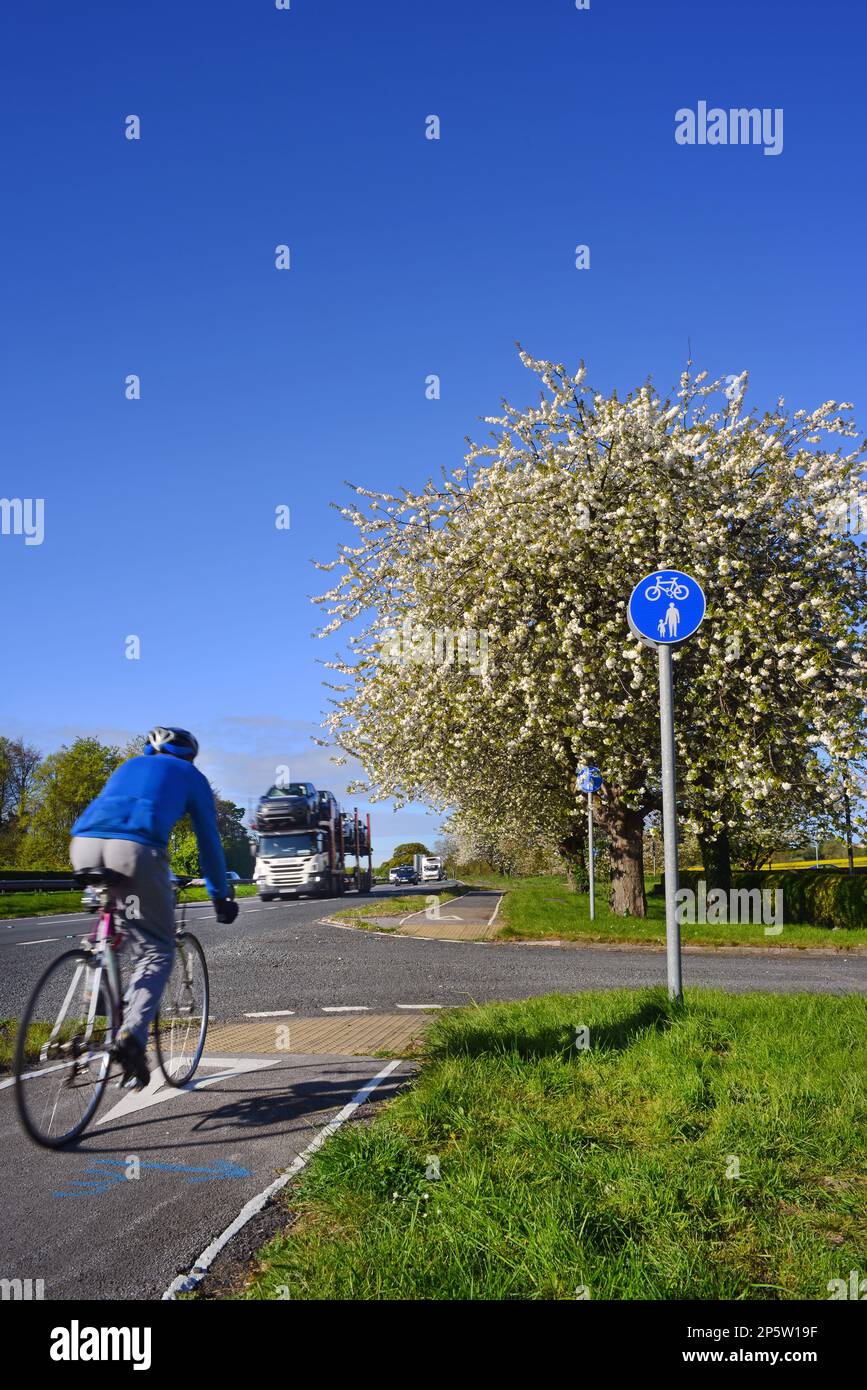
column 610, row 1168
column 392, row 907
column 37, row 1035
column 538, row 908
column 9, row 1032
column 51, row 904
column 39, row 904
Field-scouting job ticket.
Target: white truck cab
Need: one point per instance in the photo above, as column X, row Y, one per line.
column 291, row 863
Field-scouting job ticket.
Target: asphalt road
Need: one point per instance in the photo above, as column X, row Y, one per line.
column 281, row 956
column 162, row 1173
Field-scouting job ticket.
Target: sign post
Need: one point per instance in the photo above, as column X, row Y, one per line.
column 589, row 780
column 590, row 856
column 665, row 608
column 669, row 822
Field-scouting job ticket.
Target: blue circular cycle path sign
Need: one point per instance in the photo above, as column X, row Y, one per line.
column 589, row 779
column 666, row 607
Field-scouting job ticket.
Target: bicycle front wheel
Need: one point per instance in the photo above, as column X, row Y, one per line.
column 63, row 1050
column 182, row 1022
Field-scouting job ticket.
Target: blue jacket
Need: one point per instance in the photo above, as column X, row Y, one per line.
column 145, row 797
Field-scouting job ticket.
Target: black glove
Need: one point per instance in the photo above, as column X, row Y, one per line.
column 226, row 910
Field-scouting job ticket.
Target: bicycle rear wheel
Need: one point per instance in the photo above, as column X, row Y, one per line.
column 181, row 1025
column 62, row 1052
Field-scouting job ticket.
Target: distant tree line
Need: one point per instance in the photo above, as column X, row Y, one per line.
column 41, row 796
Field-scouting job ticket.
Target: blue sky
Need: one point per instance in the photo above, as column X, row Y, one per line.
column 409, row 257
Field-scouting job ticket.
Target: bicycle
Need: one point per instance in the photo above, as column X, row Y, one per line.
column 665, row 586
column 63, row 1054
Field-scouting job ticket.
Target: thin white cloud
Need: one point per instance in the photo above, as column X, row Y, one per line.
column 241, row 755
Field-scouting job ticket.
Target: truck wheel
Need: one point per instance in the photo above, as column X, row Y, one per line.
column 266, row 897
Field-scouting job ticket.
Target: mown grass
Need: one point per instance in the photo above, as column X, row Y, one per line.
column 393, row 907
column 49, row 904
column 609, row 1169
column 542, row 907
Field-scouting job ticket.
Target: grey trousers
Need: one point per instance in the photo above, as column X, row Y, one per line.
column 149, row 919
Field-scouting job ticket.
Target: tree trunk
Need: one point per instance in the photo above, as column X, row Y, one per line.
column 573, row 852
column 626, row 852
column 716, row 859
column 850, row 854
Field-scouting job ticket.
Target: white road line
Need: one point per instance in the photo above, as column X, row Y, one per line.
column 46, row 921
column 29, row 1075
column 187, row 1282
column 419, row 1006
column 271, row 1013
column 496, row 910
column 40, row 941
column 346, row 1008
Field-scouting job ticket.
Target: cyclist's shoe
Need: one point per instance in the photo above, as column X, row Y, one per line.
column 133, row 1060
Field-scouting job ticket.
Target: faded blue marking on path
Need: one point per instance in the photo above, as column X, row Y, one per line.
column 108, row 1172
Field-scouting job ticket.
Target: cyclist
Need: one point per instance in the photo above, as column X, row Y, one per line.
column 126, row 829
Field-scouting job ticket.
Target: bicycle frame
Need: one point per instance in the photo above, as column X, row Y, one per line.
column 104, row 942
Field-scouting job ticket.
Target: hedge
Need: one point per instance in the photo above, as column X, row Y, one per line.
column 6, row 874
column 821, row 897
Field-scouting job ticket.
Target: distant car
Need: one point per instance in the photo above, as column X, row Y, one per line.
column 404, row 873
column 231, row 877
column 90, row 899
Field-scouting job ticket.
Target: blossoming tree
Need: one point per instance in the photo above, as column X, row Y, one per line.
column 528, row 553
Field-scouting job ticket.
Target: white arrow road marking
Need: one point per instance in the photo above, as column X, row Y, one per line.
column 157, row 1091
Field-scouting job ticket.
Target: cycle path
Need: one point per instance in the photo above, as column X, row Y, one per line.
column 163, row 1172
column 474, row 916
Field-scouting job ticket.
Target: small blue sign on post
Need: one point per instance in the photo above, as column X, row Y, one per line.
column 666, row 607
column 589, row 779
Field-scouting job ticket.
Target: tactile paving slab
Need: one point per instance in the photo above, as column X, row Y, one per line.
column 349, row 1035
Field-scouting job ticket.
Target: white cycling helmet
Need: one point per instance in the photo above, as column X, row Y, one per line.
column 180, row 742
